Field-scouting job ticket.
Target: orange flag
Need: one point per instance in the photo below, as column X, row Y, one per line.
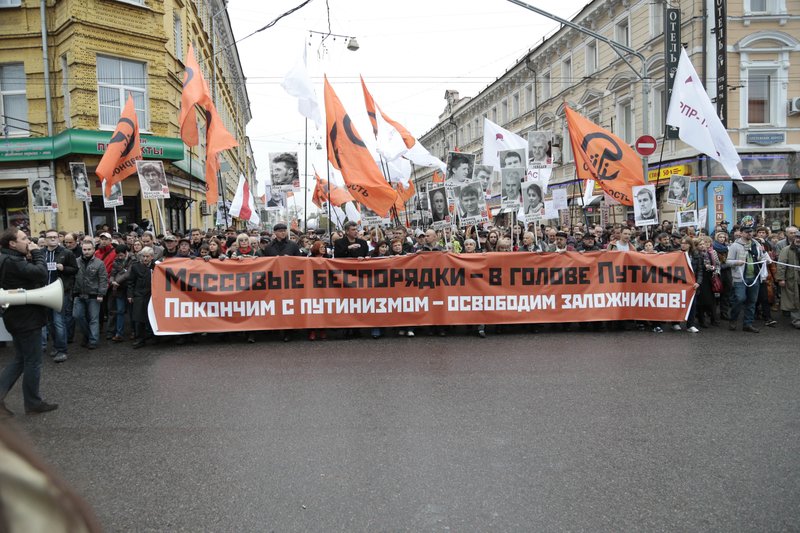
column 217, row 140
column 195, row 91
column 372, row 109
column 323, row 191
column 404, row 195
column 348, row 154
column 319, row 196
column 123, row 149
column 438, row 177
column 602, row 156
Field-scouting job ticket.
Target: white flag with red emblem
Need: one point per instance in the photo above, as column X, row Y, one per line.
column 495, row 139
column 243, row 206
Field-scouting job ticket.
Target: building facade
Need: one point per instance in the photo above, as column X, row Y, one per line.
column 747, row 53
column 66, row 68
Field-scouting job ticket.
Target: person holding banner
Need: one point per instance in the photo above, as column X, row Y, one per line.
column 744, row 256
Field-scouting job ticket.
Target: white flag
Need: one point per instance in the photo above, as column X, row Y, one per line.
column 242, row 205
column 298, row 83
column 691, row 110
column 495, row 139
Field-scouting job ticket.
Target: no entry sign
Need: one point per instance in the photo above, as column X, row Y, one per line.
column 646, row 145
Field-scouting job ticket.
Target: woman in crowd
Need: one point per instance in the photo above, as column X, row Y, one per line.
column 696, row 260
column 215, row 250
column 491, row 240
column 720, row 245
column 705, row 298
column 243, row 248
column 318, row 249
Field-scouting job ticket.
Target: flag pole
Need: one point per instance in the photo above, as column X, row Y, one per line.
column 328, row 165
column 191, row 191
column 418, row 192
column 87, row 205
column 583, row 204
column 305, row 185
column 221, row 187
column 116, row 220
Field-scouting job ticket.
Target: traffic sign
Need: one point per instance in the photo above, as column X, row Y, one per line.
column 646, row 145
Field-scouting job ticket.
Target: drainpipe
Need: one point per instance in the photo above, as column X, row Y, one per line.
column 47, row 96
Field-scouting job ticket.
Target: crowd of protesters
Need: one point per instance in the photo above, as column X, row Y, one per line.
column 106, row 278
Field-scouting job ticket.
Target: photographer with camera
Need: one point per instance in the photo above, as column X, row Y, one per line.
column 23, row 266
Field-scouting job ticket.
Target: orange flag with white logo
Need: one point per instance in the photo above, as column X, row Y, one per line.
column 349, row 155
column 323, row 191
column 602, row 156
column 217, row 139
column 119, row 161
column 195, row 91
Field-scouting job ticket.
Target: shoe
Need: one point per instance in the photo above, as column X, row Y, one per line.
column 732, row 326
column 482, row 333
column 376, row 333
column 91, row 346
column 693, row 330
column 410, row 333
column 286, row 337
column 676, row 327
column 54, row 353
column 402, row 333
column 658, row 329
column 5, row 412
column 442, row 333
column 117, row 338
column 771, row 323
column 750, row 329
column 251, row 338
column 138, row 344
column 312, row 336
column 60, row 357
column 43, row 407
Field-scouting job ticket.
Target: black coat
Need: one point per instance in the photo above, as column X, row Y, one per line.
column 139, row 284
column 64, row 257
column 19, row 273
column 284, row 247
column 341, row 250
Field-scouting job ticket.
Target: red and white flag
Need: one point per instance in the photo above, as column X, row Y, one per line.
column 242, row 205
column 495, row 139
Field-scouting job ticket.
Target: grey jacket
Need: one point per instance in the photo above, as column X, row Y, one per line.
column 738, row 252
column 91, row 279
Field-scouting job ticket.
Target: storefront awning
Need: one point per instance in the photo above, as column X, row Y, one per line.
column 767, row 187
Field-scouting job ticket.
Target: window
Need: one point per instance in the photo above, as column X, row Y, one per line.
column 591, row 58
column 771, row 210
column 765, row 7
column 625, row 121
column 65, row 90
column 760, row 86
column 13, row 100
column 621, row 33
column 504, row 111
column 656, row 18
column 529, row 103
column 134, row 2
column 177, row 36
column 10, row 3
column 477, row 127
column 494, row 115
column 566, row 74
column 545, row 86
column 515, row 106
column 116, row 78
column 659, row 108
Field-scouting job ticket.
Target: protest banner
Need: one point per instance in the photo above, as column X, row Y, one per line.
column 419, row 289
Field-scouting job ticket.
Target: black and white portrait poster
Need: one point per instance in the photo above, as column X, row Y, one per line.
column 644, row 205
column 152, row 179
column 532, row 201
column 284, row 171
column 540, row 149
column 439, row 206
column 512, row 158
column 511, row 188
column 370, row 217
column 471, row 203
column 459, row 168
column 80, row 182
column 43, row 191
column 115, row 198
column 678, row 190
column 274, row 200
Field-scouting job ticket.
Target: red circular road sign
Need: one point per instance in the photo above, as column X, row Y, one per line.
column 646, row 145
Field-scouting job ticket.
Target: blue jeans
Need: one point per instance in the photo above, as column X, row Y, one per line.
column 87, row 316
column 744, row 297
column 117, row 307
column 57, row 324
column 27, row 363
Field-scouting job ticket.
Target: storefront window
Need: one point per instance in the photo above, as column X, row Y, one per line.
column 772, row 210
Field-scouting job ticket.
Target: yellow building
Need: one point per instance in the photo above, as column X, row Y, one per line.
column 66, row 68
column 757, row 67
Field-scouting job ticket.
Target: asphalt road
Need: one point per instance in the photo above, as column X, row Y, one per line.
column 577, row 431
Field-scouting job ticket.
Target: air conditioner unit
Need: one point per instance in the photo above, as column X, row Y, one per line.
column 794, row 106
column 204, row 208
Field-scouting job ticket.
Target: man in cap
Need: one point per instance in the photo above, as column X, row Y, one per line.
column 170, row 246
column 281, row 244
column 745, row 257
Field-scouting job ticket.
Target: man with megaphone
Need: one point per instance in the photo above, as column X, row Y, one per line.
column 23, row 266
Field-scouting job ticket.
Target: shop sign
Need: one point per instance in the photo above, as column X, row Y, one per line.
column 657, row 174
column 765, row 139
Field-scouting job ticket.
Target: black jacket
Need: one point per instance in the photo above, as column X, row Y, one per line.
column 341, row 250
column 139, row 286
column 284, row 247
column 65, row 257
column 17, row 272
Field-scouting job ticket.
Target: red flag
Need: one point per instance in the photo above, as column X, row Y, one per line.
column 319, row 196
column 323, row 191
column 123, row 149
column 602, row 156
column 348, row 154
column 195, row 91
column 217, row 140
